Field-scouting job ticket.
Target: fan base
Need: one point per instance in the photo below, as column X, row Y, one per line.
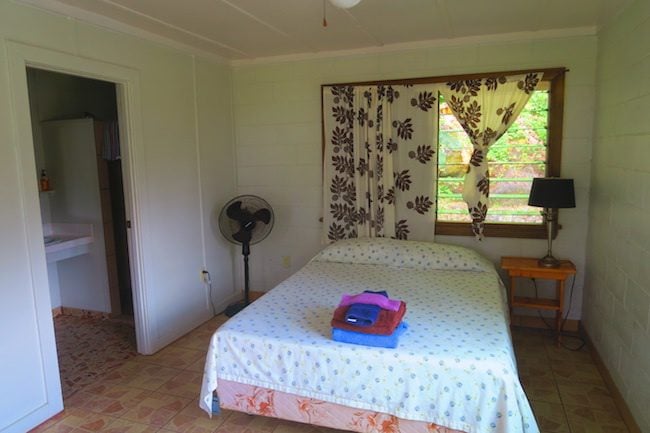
column 233, row 309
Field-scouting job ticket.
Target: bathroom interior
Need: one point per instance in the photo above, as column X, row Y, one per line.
column 81, row 194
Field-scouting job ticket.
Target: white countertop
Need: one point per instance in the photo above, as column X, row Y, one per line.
column 63, row 241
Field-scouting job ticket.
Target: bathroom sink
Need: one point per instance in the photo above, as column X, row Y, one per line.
column 51, row 240
column 63, row 241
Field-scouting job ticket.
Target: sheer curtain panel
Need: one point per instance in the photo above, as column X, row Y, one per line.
column 486, row 108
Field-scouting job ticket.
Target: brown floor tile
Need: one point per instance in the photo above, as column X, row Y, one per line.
column 124, row 426
column 117, row 376
column 296, row 427
column 49, row 423
column 541, row 389
column 589, row 420
column 185, row 384
column 535, row 368
column 197, row 366
column 213, row 324
column 76, row 420
column 525, row 336
column 531, row 351
column 149, row 376
column 576, row 372
column 156, row 409
column 193, row 419
column 563, row 354
column 586, row 395
column 197, row 339
column 550, row 417
column 174, row 357
column 114, row 401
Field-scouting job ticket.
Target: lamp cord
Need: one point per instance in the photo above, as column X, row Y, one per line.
column 583, row 343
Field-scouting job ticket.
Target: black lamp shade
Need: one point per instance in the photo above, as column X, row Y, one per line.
column 552, row 193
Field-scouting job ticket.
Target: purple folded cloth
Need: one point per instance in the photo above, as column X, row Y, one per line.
column 372, row 299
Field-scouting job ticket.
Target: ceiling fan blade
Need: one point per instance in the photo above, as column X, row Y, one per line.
column 263, row 215
column 243, row 236
column 234, row 211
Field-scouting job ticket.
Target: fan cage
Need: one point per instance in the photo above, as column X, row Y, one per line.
column 251, row 203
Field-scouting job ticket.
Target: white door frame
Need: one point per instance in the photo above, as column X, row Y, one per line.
column 21, row 56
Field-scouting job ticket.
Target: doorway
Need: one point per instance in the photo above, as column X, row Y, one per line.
column 78, row 161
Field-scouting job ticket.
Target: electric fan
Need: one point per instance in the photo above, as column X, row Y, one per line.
column 245, row 220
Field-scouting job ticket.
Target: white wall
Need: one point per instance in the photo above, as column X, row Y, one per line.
column 175, row 143
column 617, row 292
column 278, row 135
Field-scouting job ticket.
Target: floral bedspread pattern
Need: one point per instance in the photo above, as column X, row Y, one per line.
column 454, row 366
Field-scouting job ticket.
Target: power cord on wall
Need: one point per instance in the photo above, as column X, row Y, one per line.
column 583, row 343
column 208, row 280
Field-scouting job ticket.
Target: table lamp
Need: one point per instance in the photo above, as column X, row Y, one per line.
column 551, row 193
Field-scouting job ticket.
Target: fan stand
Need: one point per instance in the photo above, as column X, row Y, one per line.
column 233, row 309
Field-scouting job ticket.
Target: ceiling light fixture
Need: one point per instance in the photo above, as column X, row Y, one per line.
column 345, row 4
column 341, row 4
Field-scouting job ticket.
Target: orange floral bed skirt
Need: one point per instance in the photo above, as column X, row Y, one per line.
column 277, row 404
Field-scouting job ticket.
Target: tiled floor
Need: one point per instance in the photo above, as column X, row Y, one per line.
column 88, row 347
column 564, row 387
column 159, row 393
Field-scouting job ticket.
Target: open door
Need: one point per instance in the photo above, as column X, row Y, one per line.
column 30, row 375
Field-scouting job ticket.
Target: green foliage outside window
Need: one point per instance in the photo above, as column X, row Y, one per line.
column 518, row 156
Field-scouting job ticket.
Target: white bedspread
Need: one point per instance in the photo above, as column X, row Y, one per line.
column 454, row 365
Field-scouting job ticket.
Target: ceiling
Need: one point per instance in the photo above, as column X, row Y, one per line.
column 251, row 29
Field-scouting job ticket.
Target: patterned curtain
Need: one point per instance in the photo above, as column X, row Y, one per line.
column 486, row 108
column 379, row 170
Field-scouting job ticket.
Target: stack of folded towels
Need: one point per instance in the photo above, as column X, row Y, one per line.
column 370, row 319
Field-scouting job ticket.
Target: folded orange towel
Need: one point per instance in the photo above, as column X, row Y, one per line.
column 385, row 325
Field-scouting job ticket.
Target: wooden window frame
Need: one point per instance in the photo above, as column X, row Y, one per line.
column 555, row 78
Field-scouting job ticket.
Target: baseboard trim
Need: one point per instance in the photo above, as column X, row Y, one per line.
column 537, row 322
column 622, row 406
column 77, row 312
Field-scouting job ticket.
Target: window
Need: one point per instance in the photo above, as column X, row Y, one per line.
column 514, row 160
column 530, row 148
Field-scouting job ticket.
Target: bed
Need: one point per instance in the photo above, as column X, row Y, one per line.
column 453, row 371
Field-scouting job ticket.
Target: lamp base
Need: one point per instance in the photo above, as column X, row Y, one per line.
column 548, row 261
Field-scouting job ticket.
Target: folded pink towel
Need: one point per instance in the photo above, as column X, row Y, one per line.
column 372, row 299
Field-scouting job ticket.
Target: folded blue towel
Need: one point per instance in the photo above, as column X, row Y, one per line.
column 364, row 314
column 388, row 341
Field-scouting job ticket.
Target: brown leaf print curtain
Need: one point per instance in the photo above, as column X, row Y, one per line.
column 486, row 108
column 379, row 170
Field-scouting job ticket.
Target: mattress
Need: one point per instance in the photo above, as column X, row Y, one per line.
column 454, row 367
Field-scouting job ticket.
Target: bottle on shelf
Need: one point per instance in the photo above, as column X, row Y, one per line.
column 44, row 181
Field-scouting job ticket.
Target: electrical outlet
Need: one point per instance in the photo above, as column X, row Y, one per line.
column 286, row 262
column 205, row 276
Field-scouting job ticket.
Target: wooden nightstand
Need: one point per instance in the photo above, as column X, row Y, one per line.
column 526, row 267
